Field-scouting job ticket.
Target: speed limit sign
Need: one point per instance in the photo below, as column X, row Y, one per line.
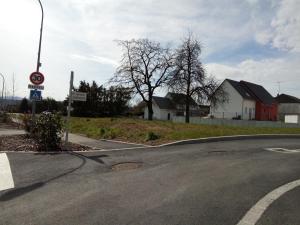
column 37, row 78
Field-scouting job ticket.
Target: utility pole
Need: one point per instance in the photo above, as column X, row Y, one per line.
column 39, row 57
column 69, row 107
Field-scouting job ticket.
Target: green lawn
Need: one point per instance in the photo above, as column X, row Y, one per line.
column 156, row 132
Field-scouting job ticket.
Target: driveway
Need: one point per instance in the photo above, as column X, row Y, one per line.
column 210, row 184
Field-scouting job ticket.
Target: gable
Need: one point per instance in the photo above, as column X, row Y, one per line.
column 240, row 89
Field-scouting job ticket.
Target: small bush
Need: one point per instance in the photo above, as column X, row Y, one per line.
column 151, row 136
column 102, row 131
column 109, row 133
column 47, row 130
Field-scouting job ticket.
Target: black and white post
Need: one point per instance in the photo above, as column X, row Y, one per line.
column 69, row 107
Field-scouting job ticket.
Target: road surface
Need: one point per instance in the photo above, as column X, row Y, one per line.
column 210, row 184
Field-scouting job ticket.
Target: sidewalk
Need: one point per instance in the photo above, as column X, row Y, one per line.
column 100, row 144
column 8, row 132
column 78, row 139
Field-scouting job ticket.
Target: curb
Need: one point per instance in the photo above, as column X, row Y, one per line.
column 181, row 142
column 231, row 138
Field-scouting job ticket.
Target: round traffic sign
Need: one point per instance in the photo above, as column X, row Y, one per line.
column 37, row 78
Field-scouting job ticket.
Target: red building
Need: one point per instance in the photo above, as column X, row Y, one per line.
column 266, row 106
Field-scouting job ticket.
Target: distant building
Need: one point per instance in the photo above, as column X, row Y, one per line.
column 246, row 101
column 165, row 108
column 288, row 106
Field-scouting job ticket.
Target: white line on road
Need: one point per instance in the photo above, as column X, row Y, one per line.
column 254, row 214
column 6, row 179
column 283, row 150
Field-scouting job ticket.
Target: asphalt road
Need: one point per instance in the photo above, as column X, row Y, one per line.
column 209, row 184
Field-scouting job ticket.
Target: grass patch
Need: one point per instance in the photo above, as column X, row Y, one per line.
column 157, row 132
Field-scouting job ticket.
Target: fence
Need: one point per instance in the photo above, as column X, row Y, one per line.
column 236, row 123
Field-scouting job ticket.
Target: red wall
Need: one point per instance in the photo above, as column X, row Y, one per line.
column 266, row 112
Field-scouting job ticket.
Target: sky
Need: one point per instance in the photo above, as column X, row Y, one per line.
column 253, row 40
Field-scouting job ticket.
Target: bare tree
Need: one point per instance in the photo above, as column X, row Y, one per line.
column 144, row 68
column 189, row 76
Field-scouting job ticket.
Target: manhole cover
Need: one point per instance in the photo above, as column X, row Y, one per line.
column 126, row 166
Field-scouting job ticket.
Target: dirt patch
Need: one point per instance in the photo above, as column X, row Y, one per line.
column 10, row 125
column 23, row 143
column 126, row 166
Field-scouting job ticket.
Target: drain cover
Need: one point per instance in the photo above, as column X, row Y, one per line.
column 126, row 166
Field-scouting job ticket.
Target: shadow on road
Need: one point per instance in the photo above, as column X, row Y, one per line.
column 23, row 190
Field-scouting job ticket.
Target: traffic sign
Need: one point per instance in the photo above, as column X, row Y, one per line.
column 32, row 86
column 37, row 78
column 78, row 96
column 35, row 95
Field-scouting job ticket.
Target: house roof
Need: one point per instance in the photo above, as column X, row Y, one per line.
column 240, row 89
column 283, row 98
column 258, row 92
column 163, row 103
column 180, row 99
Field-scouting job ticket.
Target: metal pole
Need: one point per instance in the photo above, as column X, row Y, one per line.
column 3, row 81
column 39, row 57
column 40, row 42
column 69, row 107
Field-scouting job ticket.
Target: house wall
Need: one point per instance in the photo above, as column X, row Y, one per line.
column 266, row 112
column 159, row 114
column 234, row 107
column 288, row 109
column 248, row 109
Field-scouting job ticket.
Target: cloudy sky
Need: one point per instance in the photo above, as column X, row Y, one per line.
column 252, row 40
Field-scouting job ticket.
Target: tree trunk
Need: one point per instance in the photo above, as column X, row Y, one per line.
column 150, row 110
column 187, row 109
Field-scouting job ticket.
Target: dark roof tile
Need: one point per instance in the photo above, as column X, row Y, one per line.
column 283, row 98
column 258, row 92
column 163, row 103
column 240, row 89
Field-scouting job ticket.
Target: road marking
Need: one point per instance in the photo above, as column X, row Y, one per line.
column 6, row 179
column 254, row 214
column 283, row 150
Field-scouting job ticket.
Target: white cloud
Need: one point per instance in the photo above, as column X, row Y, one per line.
column 283, row 31
column 98, row 59
column 79, row 35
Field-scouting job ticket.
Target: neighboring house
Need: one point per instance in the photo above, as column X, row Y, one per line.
column 246, row 101
column 288, row 106
column 165, row 108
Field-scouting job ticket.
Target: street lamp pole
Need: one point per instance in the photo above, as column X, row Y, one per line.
column 40, row 43
column 39, row 57
column 3, row 81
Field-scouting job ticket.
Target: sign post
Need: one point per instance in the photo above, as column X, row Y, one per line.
column 69, row 107
column 36, row 78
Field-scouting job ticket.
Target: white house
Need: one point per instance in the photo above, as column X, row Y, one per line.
column 165, row 108
column 240, row 103
column 246, row 101
column 288, row 106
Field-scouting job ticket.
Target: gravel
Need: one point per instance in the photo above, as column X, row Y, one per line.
column 24, row 143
